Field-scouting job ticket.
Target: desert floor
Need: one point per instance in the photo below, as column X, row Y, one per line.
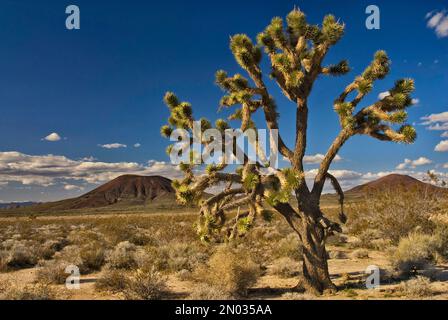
column 347, row 272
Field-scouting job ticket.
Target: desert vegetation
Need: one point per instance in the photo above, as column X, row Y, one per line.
column 159, row 256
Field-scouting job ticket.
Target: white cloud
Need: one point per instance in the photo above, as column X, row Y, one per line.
column 72, row 187
column 442, row 146
column 113, row 146
column 317, row 158
column 413, row 163
column 137, row 145
column 415, row 101
column 46, row 170
column 445, row 166
column 383, row 95
column 53, row 137
column 436, row 121
column 444, row 135
column 438, row 20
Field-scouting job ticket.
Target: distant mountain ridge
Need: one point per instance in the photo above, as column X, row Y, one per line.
column 13, row 205
column 394, row 181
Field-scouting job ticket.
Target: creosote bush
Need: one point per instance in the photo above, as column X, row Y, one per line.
column 145, row 284
column 230, row 270
column 414, row 252
column 112, row 280
column 416, row 288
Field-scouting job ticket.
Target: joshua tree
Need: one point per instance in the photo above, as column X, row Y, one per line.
column 296, row 51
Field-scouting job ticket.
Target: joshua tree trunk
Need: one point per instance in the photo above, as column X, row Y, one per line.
column 315, row 275
column 307, row 224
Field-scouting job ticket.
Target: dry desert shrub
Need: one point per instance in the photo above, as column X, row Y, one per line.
column 52, row 272
column 207, row 292
column 93, row 256
column 229, row 270
column 178, row 256
column 414, row 252
column 394, row 214
column 184, row 275
column 285, row 267
column 297, row 296
column 112, row 281
column 337, row 254
column 416, row 288
column 37, row 291
column 145, row 284
column 360, row 254
column 123, row 256
column 18, row 254
column 288, row 247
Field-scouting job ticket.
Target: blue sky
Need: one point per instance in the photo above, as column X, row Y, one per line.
column 103, row 85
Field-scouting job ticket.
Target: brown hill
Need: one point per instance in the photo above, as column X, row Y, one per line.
column 119, row 194
column 127, row 188
column 393, row 181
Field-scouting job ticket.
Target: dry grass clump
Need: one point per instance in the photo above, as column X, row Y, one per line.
column 285, row 267
column 37, row 291
column 360, row 254
column 145, row 284
column 229, row 270
column 207, row 292
column 416, row 288
column 112, row 280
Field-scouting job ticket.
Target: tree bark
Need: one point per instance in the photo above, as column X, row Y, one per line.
column 315, row 277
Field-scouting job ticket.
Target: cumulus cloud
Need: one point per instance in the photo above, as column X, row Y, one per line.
column 113, row 146
column 415, row 101
column 444, row 135
column 413, row 163
column 438, row 21
column 442, row 146
column 137, row 145
column 53, row 137
column 383, row 95
column 436, row 121
column 46, row 170
column 317, row 158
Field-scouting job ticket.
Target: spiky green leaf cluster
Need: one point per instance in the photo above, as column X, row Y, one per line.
column 250, row 181
column 332, row 30
column 246, row 54
column 339, row 69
